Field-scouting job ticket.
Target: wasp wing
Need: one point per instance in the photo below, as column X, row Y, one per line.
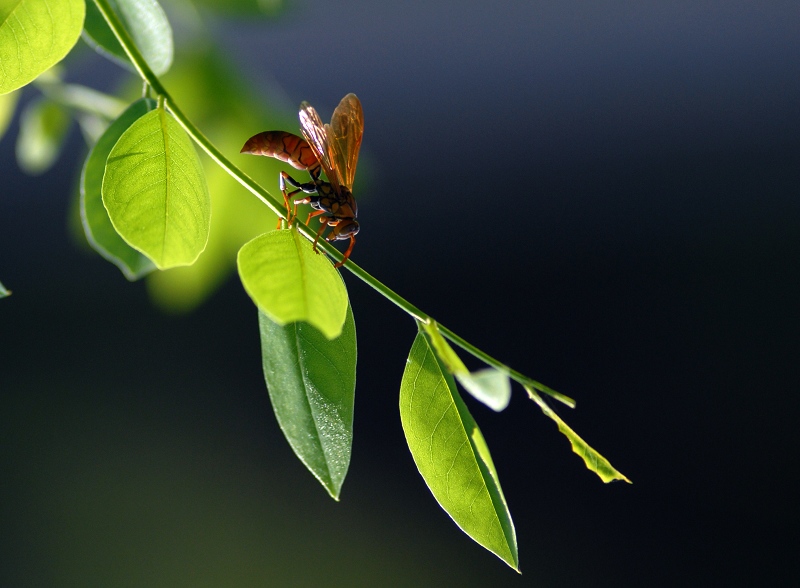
column 344, row 135
column 317, row 136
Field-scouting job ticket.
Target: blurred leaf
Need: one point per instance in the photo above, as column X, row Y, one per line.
column 147, row 25
column 594, row 461
column 80, row 98
column 490, row 386
column 92, row 127
column 34, row 36
column 289, row 282
column 8, row 104
column 451, row 453
column 312, row 383
column 97, row 225
column 3, row 291
column 155, row 191
column 43, row 127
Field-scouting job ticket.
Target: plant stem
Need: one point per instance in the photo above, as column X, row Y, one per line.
column 278, row 207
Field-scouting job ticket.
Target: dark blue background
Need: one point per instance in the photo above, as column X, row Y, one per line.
column 604, row 195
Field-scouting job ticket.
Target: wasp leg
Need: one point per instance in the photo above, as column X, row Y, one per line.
column 308, row 188
column 346, row 255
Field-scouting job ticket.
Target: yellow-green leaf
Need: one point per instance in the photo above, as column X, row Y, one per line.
column 155, row 191
column 289, row 282
column 451, row 453
column 594, row 461
column 34, row 36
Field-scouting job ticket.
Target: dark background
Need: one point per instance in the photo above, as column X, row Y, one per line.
column 605, row 196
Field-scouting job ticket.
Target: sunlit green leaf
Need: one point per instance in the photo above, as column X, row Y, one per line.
column 155, row 192
column 594, row 461
column 490, row 386
column 3, row 291
column 451, row 453
column 8, row 103
column 98, row 228
column 312, row 382
column 34, row 36
column 147, row 25
column 43, row 127
column 215, row 97
column 289, row 282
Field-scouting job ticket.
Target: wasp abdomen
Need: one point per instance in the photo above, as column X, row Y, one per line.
column 285, row 146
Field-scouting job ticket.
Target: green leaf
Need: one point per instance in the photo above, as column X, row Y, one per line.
column 155, row 192
column 43, row 127
column 8, row 103
column 147, row 25
column 34, row 36
column 96, row 224
column 452, row 455
column 312, row 382
column 3, row 291
column 490, row 386
column 594, row 461
column 289, row 282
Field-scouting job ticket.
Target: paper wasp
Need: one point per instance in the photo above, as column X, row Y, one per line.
column 332, row 148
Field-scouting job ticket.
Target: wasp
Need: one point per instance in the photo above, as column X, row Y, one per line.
column 330, row 148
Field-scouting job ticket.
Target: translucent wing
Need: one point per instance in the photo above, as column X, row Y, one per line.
column 317, row 136
column 344, row 135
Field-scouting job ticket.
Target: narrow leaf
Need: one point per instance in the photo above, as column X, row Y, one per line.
column 8, row 103
column 289, row 282
column 451, row 453
column 43, row 128
column 34, row 36
column 490, row 386
column 311, row 382
column 147, row 25
column 3, row 291
column 155, row 191
column 594, row 461
column 96, row 224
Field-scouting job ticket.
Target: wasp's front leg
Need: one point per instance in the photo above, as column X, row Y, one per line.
column 308, row 188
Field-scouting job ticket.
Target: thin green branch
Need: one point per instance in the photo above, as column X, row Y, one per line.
column 278, row 207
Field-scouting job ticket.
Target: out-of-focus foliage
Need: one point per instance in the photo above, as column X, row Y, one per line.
column 147, row 24
column 3, row 291
column 43, row 127
column 250, row 8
